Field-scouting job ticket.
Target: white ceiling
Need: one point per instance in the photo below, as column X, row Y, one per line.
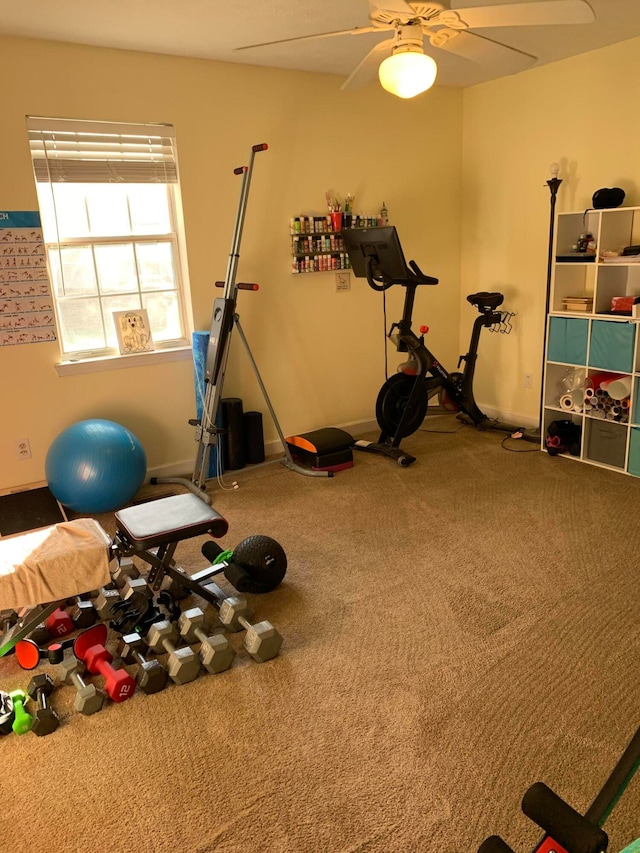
column 211, row 29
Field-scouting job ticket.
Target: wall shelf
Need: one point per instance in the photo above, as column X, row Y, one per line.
column 316, row 242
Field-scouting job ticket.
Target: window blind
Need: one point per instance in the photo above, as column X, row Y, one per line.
column 101, row 152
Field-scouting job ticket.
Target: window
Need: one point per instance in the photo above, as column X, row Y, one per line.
column 109, row 199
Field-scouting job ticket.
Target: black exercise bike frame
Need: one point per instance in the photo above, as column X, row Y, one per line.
column 430, row 376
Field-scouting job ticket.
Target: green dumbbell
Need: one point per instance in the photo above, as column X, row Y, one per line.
column 23, row 720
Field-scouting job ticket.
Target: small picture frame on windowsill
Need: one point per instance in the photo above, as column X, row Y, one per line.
column 133, row 331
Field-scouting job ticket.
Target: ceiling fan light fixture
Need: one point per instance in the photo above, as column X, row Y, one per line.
column 407, row 73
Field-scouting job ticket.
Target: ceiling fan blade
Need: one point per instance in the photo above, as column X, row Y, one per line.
column 539, row 13
column 482, row 50
column 353, row 32
column 367, row 71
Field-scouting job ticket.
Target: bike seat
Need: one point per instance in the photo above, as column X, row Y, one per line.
column 486, row 301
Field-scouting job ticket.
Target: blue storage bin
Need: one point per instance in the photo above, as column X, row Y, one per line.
column 612, row 346
column 635, row 412
column 568, row 340
column 633, row 465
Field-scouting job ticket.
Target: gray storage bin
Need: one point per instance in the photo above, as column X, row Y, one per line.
column 607, row 443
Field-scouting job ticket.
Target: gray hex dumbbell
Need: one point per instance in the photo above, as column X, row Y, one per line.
column 262, row 641
column 106, row 602
column 88, row 698
column 124, row 571
column 215, row 652
column 151, row 676
column 45, row 720
column 183, row 664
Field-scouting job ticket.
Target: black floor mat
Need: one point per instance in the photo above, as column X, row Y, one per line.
column 28, row 510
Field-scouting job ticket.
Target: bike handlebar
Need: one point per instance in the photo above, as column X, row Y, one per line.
column 414, row 277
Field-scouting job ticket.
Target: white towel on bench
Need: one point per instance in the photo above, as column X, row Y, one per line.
column 53, row 563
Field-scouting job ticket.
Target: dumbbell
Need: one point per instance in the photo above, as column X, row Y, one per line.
column 40, row 635
column 262, row 641
column 8, row 619
column 46, row 720
column 183, row 664
column 61, row 622
column 22, row 720
column 88, row 698
column 215, row 652
column 151, row 676
column 89, row 647
column 125, row 571
column 105, row 603
column 29, row 653
column 6, row 713
column 83, row 614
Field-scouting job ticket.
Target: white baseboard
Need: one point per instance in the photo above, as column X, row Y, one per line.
column 271, row 448
column 175, row 469
column 355, row 428
column 509, row 417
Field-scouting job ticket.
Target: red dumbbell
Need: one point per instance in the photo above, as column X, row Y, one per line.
column 89, row 647
column 59, row 624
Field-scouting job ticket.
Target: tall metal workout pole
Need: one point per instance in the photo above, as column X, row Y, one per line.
column 224, row 318
column 554, row 185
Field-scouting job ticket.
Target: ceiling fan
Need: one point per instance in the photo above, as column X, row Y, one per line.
column 400, row 62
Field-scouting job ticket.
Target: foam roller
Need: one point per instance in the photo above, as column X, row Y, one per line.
column 561, row 822
column 233, row 438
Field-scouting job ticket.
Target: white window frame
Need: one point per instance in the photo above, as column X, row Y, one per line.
column 110, row 152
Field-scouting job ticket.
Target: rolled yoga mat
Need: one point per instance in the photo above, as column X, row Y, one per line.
column 200, row 343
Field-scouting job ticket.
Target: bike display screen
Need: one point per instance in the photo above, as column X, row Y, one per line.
column 382, row 245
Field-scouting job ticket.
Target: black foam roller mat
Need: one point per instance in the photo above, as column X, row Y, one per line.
column 563, row 823
column 254, row 438
column 233, row 437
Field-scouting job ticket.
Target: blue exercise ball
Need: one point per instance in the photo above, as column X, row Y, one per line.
column 95, row 466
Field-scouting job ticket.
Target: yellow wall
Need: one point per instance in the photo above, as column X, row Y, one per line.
column 463, row 175
column 320, row 352
column 579, row 113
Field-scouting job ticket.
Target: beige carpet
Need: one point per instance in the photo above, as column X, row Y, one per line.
column 453, row 631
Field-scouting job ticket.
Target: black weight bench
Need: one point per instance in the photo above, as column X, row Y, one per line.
column 152, row 531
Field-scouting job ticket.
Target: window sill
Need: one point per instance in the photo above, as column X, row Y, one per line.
column 118, row 362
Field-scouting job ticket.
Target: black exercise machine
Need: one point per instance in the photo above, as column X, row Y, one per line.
column 225, row 318
column 567, row 831
column 152, row 531
column 401, row 406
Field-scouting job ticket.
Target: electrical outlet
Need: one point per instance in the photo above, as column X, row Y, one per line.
column 23, row 448
column 343, row 281
column 528, row 380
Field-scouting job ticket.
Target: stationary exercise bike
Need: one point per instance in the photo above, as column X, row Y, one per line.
column 401, row 406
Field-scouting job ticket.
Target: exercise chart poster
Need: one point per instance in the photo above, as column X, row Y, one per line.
column 26, row 305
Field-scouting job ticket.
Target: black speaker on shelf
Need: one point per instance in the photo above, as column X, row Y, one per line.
column 254, row 438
